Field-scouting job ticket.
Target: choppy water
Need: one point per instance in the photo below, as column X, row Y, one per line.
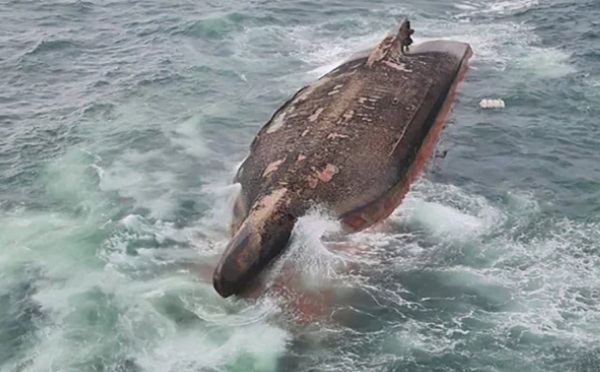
column 122, row 122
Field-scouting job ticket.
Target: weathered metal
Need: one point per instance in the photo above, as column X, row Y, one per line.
column 351, row 142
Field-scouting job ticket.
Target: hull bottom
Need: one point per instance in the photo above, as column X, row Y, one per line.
column 382, row 208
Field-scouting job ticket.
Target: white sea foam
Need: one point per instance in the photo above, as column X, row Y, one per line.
column 538, row 283
column 495, row 7
column 196, row 350
column 498, row 45
column 308, row 252
column 188, row 136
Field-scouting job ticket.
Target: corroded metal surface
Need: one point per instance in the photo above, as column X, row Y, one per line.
column 361, row 126
column 346, row 142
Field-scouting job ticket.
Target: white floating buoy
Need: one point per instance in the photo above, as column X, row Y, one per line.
column 491, row 103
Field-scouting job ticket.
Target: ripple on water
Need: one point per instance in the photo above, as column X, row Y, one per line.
column 49, row 46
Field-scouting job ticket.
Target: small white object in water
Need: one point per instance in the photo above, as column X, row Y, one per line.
column 491, row 103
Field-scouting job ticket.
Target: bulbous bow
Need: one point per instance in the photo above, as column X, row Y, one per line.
column 260, row 239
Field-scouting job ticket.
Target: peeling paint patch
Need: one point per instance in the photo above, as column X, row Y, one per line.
column 327, row 174
column 316, row 114
column 267, row 205
column 272, row 167
column 277, row 122
column 347, row 116
column 396, row 66
column 336, row 135
column 363, row 100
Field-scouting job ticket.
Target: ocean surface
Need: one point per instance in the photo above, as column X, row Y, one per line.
column 122, row 124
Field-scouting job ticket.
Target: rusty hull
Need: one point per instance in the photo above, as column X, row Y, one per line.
column 348, row 142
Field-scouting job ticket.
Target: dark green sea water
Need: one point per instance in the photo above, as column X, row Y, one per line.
column 122, row 123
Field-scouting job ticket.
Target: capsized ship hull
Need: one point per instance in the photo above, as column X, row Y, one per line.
column 352, row 141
